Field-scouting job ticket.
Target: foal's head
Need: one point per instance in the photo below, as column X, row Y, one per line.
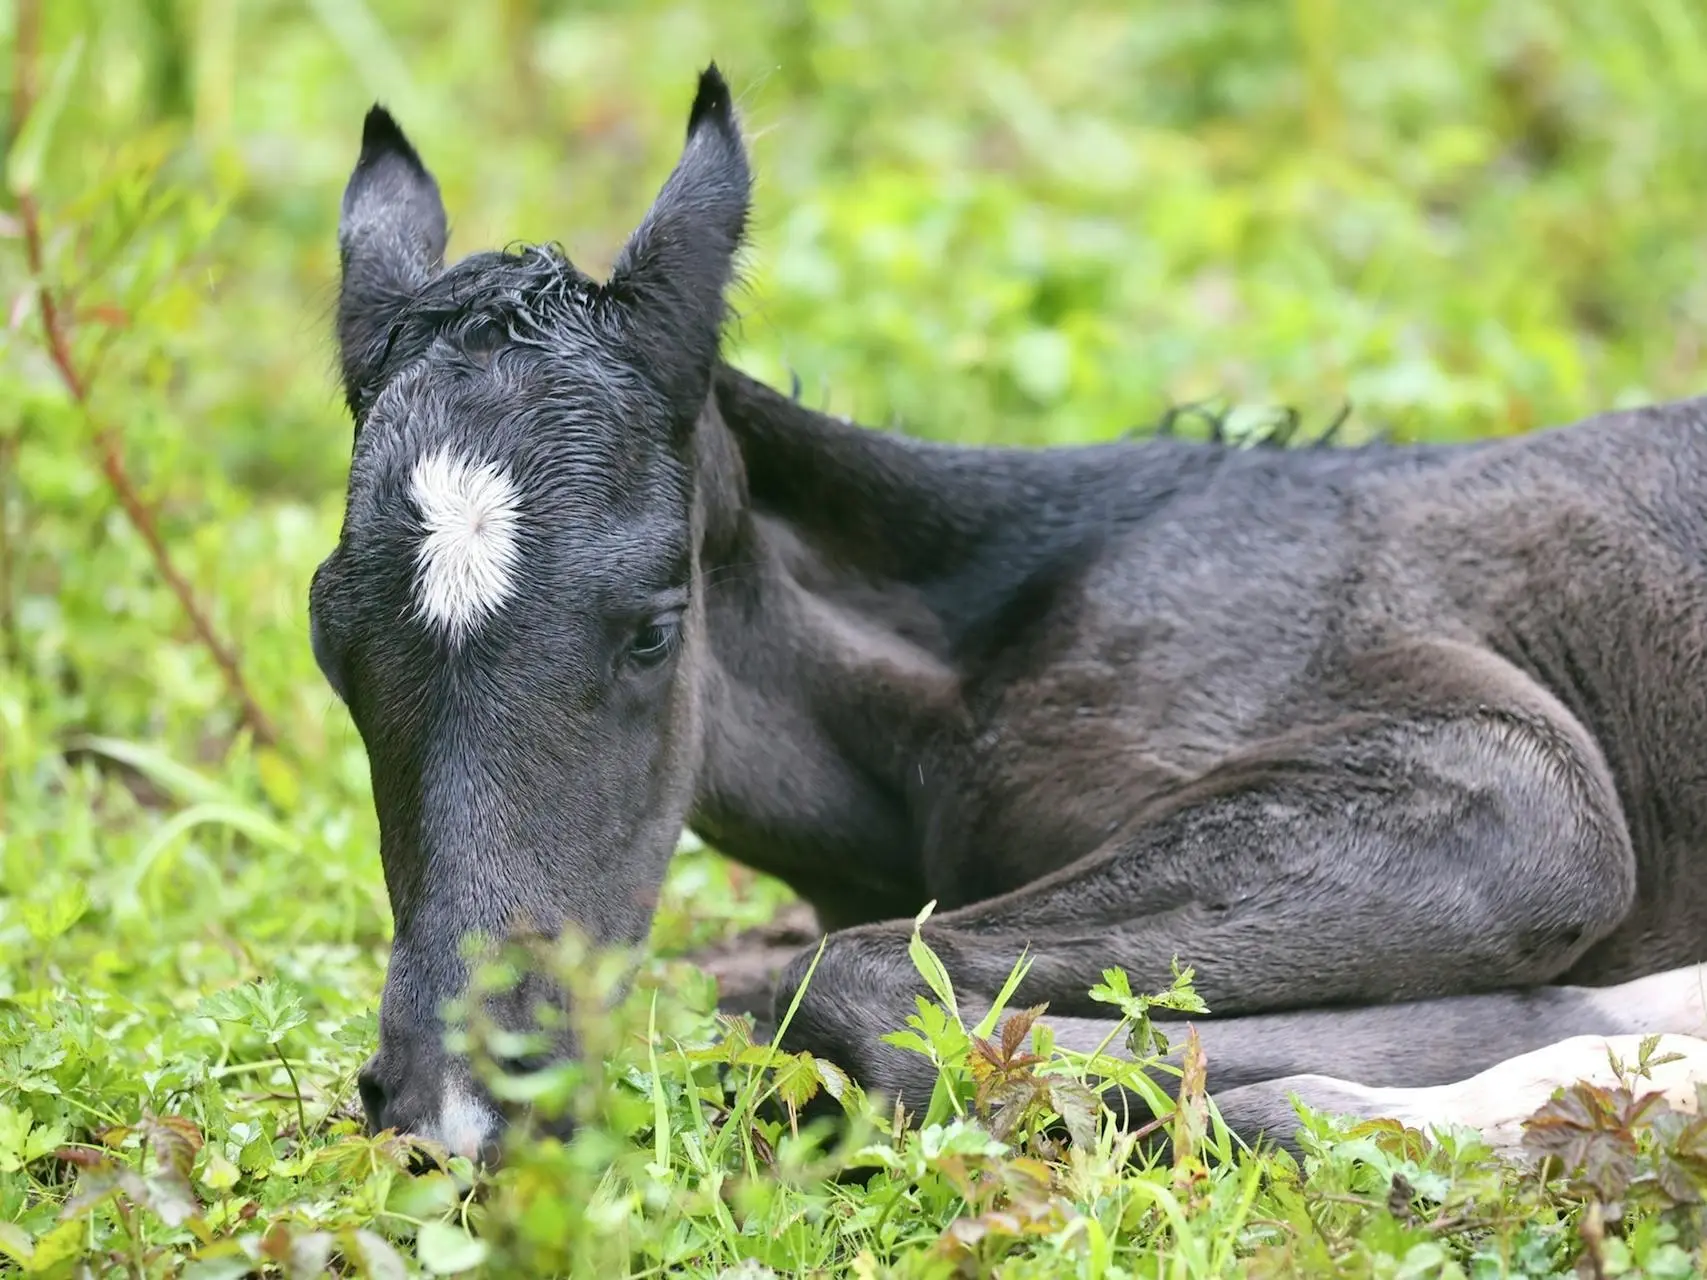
column 510, row 612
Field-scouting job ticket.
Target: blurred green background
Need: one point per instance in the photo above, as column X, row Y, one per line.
column 980, row 221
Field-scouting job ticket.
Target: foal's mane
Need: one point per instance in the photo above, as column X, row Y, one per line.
column 528, row 295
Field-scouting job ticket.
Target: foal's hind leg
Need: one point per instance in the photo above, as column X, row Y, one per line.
column 1594, row 1034
column 1474, row 845
column 1486, row 1045
column 1495, row 1101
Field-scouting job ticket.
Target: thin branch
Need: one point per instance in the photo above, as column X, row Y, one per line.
column 109, row 446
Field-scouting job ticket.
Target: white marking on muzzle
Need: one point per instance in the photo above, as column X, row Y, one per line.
column 465, row 1122
column 465, row 565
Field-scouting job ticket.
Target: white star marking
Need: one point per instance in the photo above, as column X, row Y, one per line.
column 465, row 565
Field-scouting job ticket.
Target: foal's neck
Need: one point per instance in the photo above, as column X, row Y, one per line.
column 859, row 587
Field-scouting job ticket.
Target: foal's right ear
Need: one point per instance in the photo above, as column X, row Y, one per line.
column 391, row 239
column 671, row 274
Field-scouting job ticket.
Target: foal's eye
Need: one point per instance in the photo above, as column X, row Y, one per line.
column 653, row 642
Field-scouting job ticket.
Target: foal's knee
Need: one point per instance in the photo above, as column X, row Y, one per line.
column 858, row 978
column 859, row 988
column 1550, row 858
column 1577, row 892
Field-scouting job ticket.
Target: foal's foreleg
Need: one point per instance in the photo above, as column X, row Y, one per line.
column 1384, row 859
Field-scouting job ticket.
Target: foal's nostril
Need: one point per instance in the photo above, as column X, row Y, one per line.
column 525, row 1064
column 373, row 1097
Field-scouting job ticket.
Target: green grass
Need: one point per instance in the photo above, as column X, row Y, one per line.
column 987, row 222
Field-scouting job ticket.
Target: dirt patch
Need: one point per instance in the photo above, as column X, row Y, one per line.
column 746, row 966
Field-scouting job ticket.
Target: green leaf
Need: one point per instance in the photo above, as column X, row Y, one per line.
column 249, row 821
column 168, row 1195
column 1144, row 1039
column 256, row 1154
column 54, row 918
column 1078, row 1108
column 26, row 1068
column 14, row 1135
column 359, row 1032
column 445, row 1249
column 24, row 165
column 373, row 1255
column 930, row 967
column 1668, row 1262
column 230, row 1266
column 1041, row 361
column 907, row 1040
column 660, row 1166
column 1116, row 989
column 60, row 1244
column 279, row 779
column 181, row 782
column 1180, row 996
column 796, row 1078
column 1016, row 975
column 23, row 1141
column 16, row 1244
column 304, row 1253
column 957, row 1137
column 431, row 1195
column 218, row 1173
column 837, row 1083
column 269, row 1009
column 44, row 1140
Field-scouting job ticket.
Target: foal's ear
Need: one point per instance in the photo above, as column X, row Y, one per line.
column 672, row 272
column 391, row 239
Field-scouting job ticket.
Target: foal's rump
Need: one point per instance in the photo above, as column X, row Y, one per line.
column 1486, row 1062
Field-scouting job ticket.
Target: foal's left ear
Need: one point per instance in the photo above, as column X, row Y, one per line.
column 672, row 272
column 391, row 239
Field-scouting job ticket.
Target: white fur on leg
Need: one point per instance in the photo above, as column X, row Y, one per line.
column 1497, row 1101
column 1675, row 1000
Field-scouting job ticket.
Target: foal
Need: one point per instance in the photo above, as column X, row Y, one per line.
column 1401, row 748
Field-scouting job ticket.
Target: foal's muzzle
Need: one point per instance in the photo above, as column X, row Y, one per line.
column 444, row 1106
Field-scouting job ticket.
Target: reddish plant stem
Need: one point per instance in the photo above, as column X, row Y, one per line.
column 108, row 444
column 24, row 46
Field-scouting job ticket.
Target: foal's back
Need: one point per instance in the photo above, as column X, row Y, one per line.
column 1237, row 609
